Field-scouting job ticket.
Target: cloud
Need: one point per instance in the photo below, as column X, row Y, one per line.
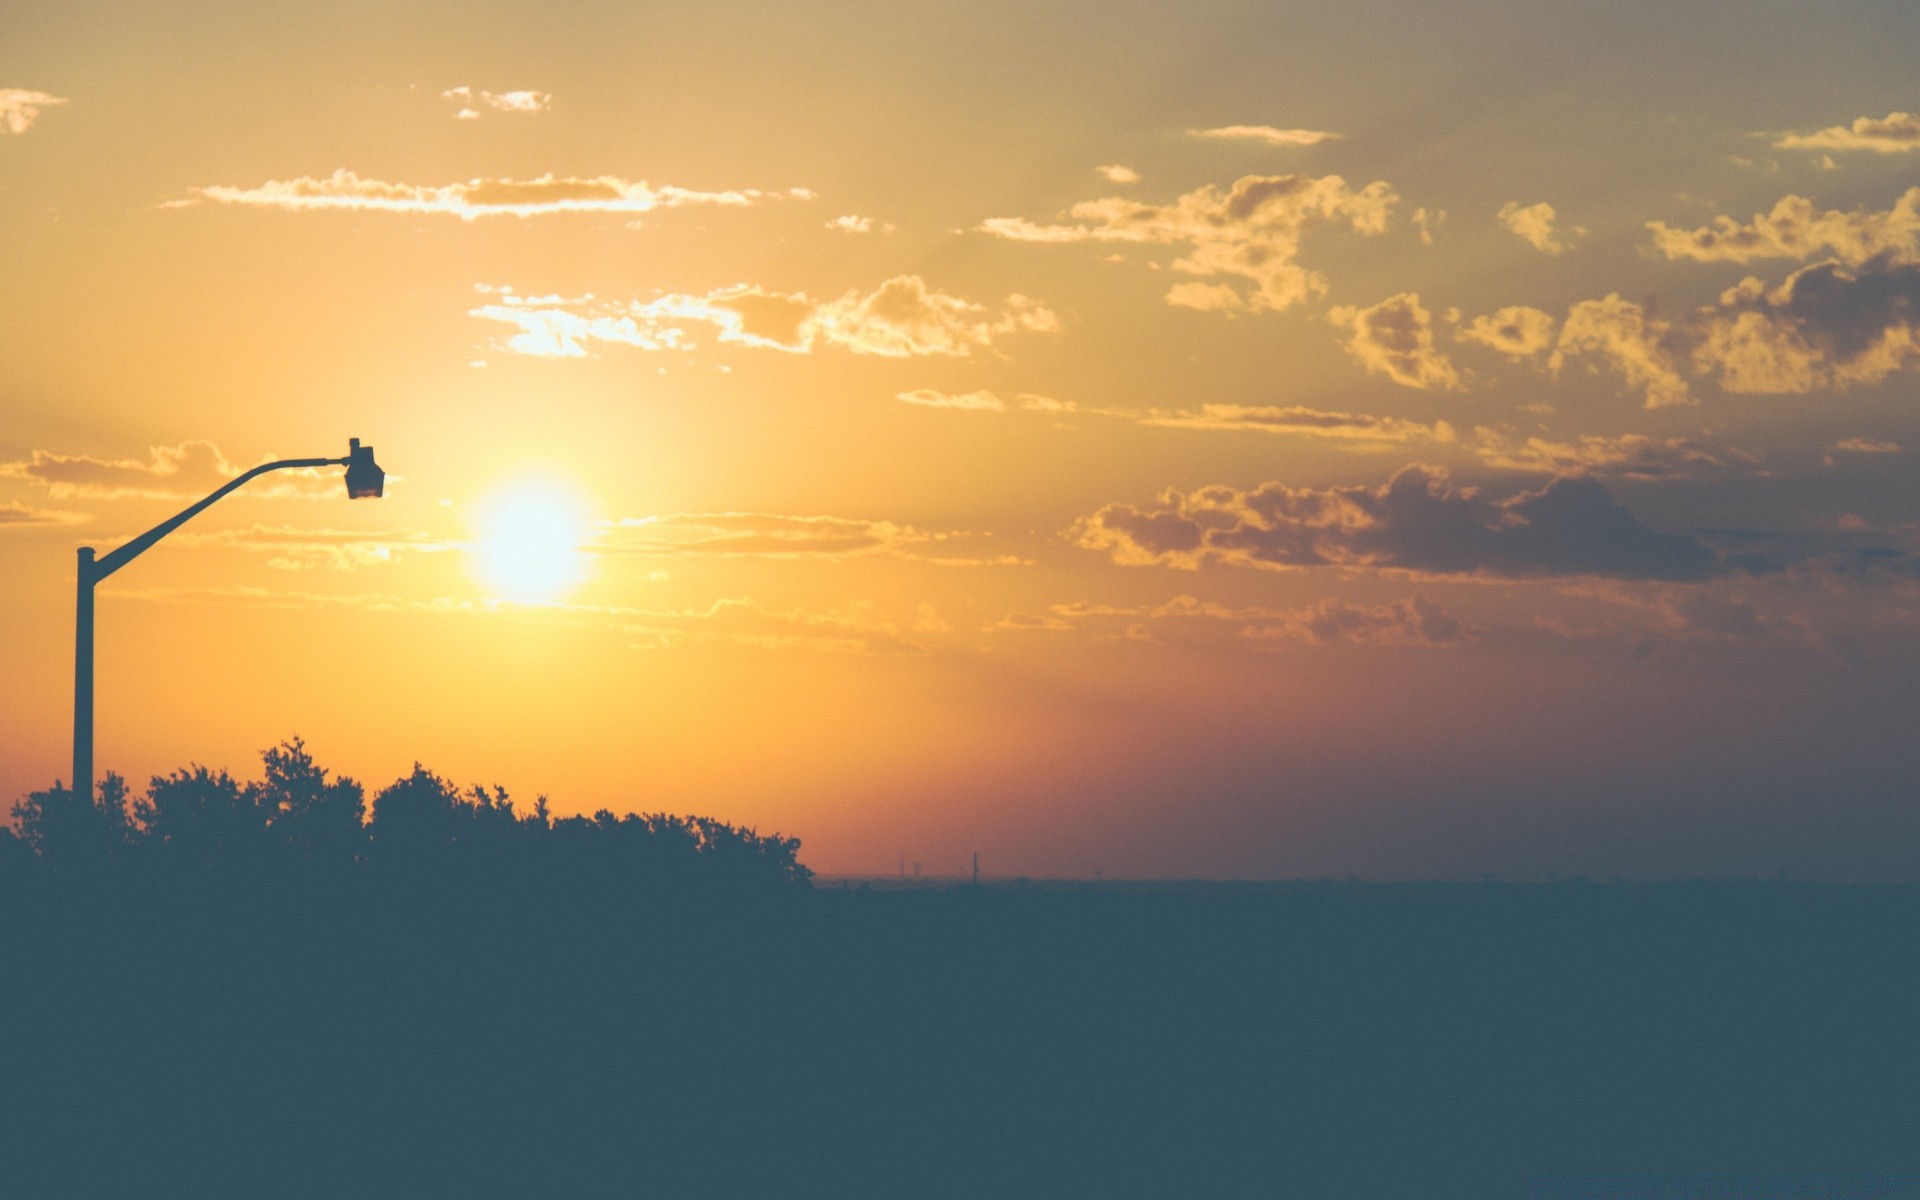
column 1250, row 232
column 1533, row 224
column 1395, row 338
column 188, row 470
column 1418, row 521
column 780, row 536
column 1793, row 229
column 471, row 102
column 1628, row 456
column 858, row 628
column 1415, row 621
column 295, row 549
column 1267, row 134
column 1359, row 429
column 1860, row 445
column 1826, row 326
column 19, row 108
column 346, row 191
column 1630, row 340
column 15, row 515
column 973, row 401
column 1115, row 173
column 901, row 318
column 1895, row 133
column 1518, row 332
column 851, row 223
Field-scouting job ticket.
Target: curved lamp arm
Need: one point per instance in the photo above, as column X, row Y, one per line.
column 127, row 553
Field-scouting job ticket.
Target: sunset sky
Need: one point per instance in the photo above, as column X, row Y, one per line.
column 1224, row 439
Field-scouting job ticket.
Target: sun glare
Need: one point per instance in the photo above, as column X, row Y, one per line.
column 530, row 542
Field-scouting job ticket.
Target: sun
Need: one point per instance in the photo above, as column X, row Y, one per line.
column 530, row 542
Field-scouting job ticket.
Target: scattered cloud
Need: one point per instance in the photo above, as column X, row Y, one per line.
column 1115, row 173
column 852, row 223
column 346, row 191
column 1860, row 445
column 982, row 401
column 1518, row 332
column 1631, row 340
column 1356, row 429
column 1268, row 134
column 1425, row 222
column 1418, row 521
column 901, row 318
column 1628, row 456
column 19, row 108
column 1395, row 338
column 1793, row 229
column 295, row 549
column 1416, row 620
column 1533, row 224
column 1895, row 133
column 1826, row 326
column 186, row 471
column 472, row 102
column 779, row 536
column 15, row 515
column 1250, row 232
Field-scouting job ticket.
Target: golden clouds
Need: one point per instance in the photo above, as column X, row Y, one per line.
column 971, row 401
column 346, row 191
column 1249, row 232
column 473, row 101
column 1533, row 224
column 1357, row 430
column 1895, row 133
column 1395, row 338
column 1794, row 229
column 901, row 318
column 19, row 108
column 1267, row 134
column 1519, row 332
column 1631, row 340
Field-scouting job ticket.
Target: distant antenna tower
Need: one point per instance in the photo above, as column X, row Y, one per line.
column 903, row 864
column 976, row 868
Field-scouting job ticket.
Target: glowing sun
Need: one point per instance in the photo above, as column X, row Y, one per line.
column 530, row 543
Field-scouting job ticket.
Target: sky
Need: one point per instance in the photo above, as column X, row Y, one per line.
column 1223, row 440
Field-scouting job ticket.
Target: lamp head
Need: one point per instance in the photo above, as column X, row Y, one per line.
column 364, row 477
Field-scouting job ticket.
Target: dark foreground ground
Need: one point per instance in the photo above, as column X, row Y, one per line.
column 352, row 1037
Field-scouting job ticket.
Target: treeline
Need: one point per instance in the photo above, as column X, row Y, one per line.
column 300, row 819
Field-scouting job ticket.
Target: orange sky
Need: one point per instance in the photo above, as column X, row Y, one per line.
column 1228, row 441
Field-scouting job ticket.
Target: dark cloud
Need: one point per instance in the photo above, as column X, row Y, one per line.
column 1418, row 521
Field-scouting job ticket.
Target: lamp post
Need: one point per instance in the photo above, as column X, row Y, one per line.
column 364, row 479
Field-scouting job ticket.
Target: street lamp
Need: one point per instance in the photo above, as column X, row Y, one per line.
column 364, row 479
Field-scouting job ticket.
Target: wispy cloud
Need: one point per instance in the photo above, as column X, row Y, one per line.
column 1249, row 232
column 1627, row 456
column 473, row 102
column 1267, row 134
column 1115, row 173
column 346, row 191
column 982, row 401
column 294, row 549
column 15, row 515
column 19, row 108
column 188, row 470
column 1358, row 430
column 902, row 318
column 1895, row 133
column 783, row 536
